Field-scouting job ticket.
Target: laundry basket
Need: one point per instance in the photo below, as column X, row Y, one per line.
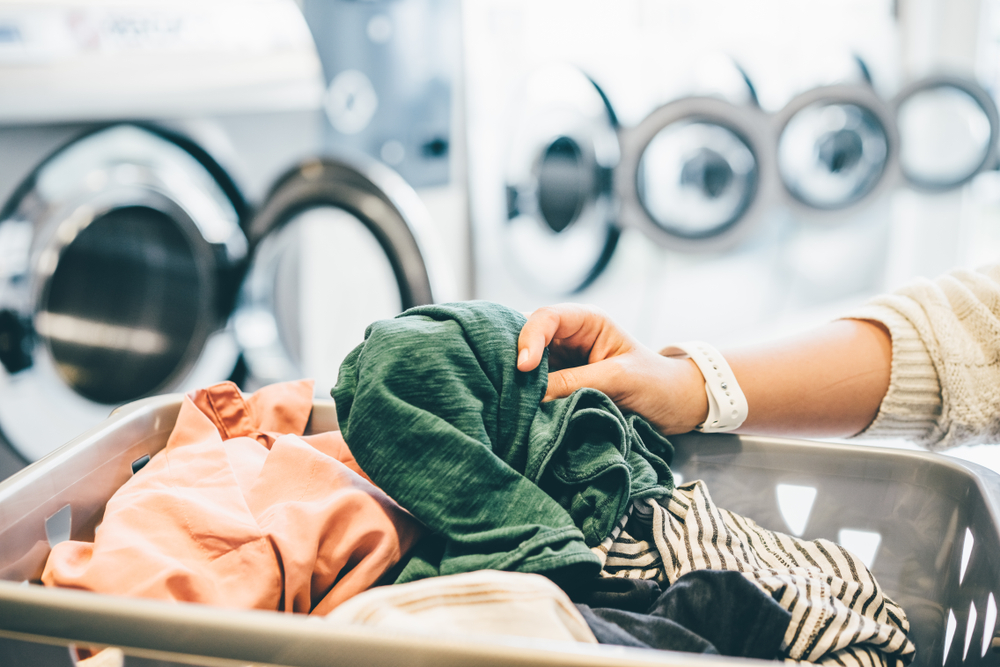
column 926, row 524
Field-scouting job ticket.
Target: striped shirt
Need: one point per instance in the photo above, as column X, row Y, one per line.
column 839, row 614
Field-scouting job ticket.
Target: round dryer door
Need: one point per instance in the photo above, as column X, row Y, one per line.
column 695, row 173
column 118, row 261
column 337, row 246
column 948, row 130
column 836, row 146
column 560, row 232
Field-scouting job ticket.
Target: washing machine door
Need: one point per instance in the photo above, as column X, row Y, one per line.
column 117, row 263
column 560, row 231
column 338, row 244
column 837, row 146
column 696, row 173
column 948, row 130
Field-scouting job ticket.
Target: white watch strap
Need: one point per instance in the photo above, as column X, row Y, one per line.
column 727, row 406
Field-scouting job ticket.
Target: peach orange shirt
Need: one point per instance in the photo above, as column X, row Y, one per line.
column 241, row 510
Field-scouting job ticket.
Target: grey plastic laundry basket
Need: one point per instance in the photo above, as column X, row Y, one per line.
column 927, row 524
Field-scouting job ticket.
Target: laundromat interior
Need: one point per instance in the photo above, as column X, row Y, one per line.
column 195, row 192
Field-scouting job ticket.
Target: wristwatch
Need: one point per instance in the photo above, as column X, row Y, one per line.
column 727, row 406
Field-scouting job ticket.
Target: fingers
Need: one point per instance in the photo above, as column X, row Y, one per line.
column 549, row 323
column 535, row 336
column 562, row 384
column 601, row 376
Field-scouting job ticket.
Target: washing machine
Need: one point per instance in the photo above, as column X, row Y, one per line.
column 169, row 216
column 669, row 162
column 393, row 80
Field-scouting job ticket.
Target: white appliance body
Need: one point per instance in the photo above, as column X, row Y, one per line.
column 170, row 217
column 825, row 223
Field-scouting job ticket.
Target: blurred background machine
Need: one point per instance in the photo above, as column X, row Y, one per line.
column 723, row 171
column 196, row 191
column 170, row 215
column 729, row 171
column 393, row 75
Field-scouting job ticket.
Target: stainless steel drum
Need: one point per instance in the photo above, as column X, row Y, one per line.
column 696, row 173
column 836, row 146
column 948, row 130
column 560, row 223
column 338, row 245
column 117, row 263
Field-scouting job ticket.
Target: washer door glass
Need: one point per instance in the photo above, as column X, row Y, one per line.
column 336, row 249
column 564, row 184
column 560, row 232
column 832, row 153
column 696, row 178
column 947, row 132
column 121, row 248
column 696, row 174
column 122, row 305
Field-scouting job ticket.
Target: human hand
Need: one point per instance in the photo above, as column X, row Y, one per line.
column 587, row 349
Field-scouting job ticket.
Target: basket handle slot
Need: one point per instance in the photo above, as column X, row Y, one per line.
column 140, row 463
column 862, row 543
column 795, row 502
column 967, row 545
column 970, row 627
column 989, row 627
column 59, row 526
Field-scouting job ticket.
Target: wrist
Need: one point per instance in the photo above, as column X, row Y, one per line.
column 680, row 402
column 726, row 405
column 694, row 406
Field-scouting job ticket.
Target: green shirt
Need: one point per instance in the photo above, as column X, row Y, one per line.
column 437, row 414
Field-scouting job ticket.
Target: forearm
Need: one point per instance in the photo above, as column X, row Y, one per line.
column 828, row 382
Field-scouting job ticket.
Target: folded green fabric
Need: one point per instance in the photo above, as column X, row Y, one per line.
column 437, row 414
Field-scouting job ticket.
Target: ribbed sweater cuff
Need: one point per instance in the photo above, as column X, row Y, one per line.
column 912, row 405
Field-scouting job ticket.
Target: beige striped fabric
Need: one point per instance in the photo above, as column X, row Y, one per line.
column 839, row 614
column 479, row 603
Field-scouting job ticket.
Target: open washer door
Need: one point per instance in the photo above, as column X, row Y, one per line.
column 338, row 245
column 119, row 258
column 560, row 231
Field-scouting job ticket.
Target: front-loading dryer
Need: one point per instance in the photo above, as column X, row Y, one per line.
column 670, row 163
column 161, row 162
column 135, row 143
column 119, row 256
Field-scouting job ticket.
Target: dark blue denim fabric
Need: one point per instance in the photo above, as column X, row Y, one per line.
column 621, row 593
column 706, row 611
column 626, row 628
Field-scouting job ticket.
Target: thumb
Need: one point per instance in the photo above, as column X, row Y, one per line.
column 600, row 375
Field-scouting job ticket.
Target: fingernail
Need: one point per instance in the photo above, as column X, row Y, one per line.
column 522, row 356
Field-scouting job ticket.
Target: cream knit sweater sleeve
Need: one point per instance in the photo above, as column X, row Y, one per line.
column 945, row 382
